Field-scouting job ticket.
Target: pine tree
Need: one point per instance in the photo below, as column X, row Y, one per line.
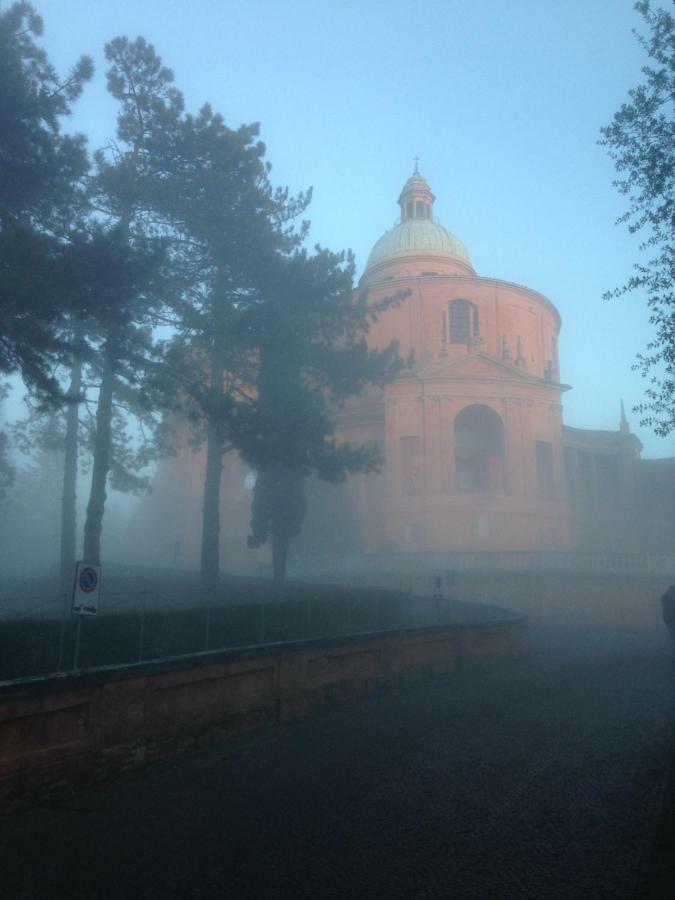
column 308, row 333
column 124, row 367
column 225, row 216
column 40, row 186
column 126, row 259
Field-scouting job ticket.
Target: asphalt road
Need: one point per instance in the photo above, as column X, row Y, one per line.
column 539, row 779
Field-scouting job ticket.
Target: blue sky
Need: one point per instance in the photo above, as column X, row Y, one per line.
column 502, row 100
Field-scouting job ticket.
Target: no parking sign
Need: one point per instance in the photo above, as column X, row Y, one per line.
column 86, row 589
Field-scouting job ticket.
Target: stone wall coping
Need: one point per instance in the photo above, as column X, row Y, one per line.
column 37, row 684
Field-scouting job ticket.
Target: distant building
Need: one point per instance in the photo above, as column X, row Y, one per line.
column 476, row 455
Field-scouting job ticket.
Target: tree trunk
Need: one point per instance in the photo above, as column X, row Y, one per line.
column 101, row 464
column 69, row 496
column 210, row 562
column 210, row 570
column 279, row 558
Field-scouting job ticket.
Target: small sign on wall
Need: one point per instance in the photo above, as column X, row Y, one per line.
column 87, row 589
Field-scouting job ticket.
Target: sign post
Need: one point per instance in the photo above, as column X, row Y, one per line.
column 87, row 589
column 86, row 593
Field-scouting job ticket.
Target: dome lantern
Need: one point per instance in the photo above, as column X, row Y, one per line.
column 417, row 245
column 416, row 200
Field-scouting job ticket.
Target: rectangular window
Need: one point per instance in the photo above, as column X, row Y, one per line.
column 460, row 322
column 409, row 209
column 545, row 469
column 411, row 474
column 419, row 210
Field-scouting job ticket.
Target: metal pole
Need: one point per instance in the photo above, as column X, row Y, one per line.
column 207, row 634
column 62, row 636
column 78, row 636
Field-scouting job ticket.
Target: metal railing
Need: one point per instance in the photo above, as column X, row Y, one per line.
column 44, row 637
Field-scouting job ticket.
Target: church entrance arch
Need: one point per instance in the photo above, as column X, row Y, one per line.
column 479, row 450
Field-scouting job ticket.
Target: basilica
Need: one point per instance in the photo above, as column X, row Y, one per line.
column 476, row 456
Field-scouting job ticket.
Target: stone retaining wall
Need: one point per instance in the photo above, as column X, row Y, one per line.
column 61, row 730
column 551, row 598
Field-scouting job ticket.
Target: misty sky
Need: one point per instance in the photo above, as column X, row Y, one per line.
column 502, row 102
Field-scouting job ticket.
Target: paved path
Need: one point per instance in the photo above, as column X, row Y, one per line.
column 540, row 779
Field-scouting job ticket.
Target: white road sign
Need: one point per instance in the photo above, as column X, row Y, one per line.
column 87, row 589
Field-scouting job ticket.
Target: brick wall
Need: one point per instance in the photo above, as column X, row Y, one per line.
column 62, row 730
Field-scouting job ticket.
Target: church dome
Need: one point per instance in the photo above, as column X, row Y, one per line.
column 414, row 237
column 418, row 236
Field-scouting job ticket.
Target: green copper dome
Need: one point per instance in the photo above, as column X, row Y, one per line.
column 416, row 236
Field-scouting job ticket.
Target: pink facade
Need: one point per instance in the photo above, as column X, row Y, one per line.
column 471, row 433
column 475, row 453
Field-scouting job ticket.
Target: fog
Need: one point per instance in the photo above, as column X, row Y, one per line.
column 451, row 465
column 248, row 474
column 523, row 184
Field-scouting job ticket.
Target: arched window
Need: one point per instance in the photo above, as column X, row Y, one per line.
column 479, row 451
column 462, row 322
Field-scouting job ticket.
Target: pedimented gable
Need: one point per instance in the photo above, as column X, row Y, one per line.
column 475, row 365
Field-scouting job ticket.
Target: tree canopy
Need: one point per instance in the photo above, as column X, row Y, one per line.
column 641, row 141
column 175, row 223
column 41, row 174
column 222, row 216
column 308, row 334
